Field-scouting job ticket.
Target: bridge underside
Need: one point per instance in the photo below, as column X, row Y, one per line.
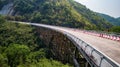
column 62, row 48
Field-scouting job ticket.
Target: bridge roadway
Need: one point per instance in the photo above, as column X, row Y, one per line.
column 106, row 47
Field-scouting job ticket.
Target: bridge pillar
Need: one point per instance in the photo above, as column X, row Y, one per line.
column 87, row 64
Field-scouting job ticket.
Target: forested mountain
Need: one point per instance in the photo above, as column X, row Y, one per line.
column 57, row 12
column 112, row 20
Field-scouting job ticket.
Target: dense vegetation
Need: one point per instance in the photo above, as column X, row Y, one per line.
column 112, row 20
column 20, row 47
column 57, row 12
column 115, row 29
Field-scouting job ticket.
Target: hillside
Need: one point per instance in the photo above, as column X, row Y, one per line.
column 57, row 12
column 89, row 15
column 112, row 20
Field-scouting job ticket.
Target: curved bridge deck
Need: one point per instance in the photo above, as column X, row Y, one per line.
column 99, row 51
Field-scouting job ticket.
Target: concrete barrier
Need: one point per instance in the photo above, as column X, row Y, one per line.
column 104, row 63
column 103, row 35
column 89, row 50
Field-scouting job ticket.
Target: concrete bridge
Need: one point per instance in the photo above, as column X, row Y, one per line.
column 99, row 52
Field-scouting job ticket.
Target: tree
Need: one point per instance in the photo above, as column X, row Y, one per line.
column 36, row 18
column 17, row 54
column 2, row 19
column 3, row 61
column 115, row 29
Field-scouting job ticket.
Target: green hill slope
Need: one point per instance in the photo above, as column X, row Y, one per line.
column 58, row 12
column 112, row 20
column 90, row 16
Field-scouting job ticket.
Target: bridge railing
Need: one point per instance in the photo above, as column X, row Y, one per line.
column 92, row 55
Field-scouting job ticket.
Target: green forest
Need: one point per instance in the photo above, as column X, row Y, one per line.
column 20, row 47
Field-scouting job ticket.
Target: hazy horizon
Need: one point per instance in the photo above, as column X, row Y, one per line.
column 109, row 7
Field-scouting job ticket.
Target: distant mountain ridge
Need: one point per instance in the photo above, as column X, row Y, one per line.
column 118, row 18
column 112, row 20
column 58, row 12
column 91, row 16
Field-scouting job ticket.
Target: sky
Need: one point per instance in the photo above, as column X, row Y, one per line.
column 109, row 7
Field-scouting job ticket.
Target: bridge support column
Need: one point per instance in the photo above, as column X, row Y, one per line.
column 87, row 64
column 80, row 60
column 76, row 62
